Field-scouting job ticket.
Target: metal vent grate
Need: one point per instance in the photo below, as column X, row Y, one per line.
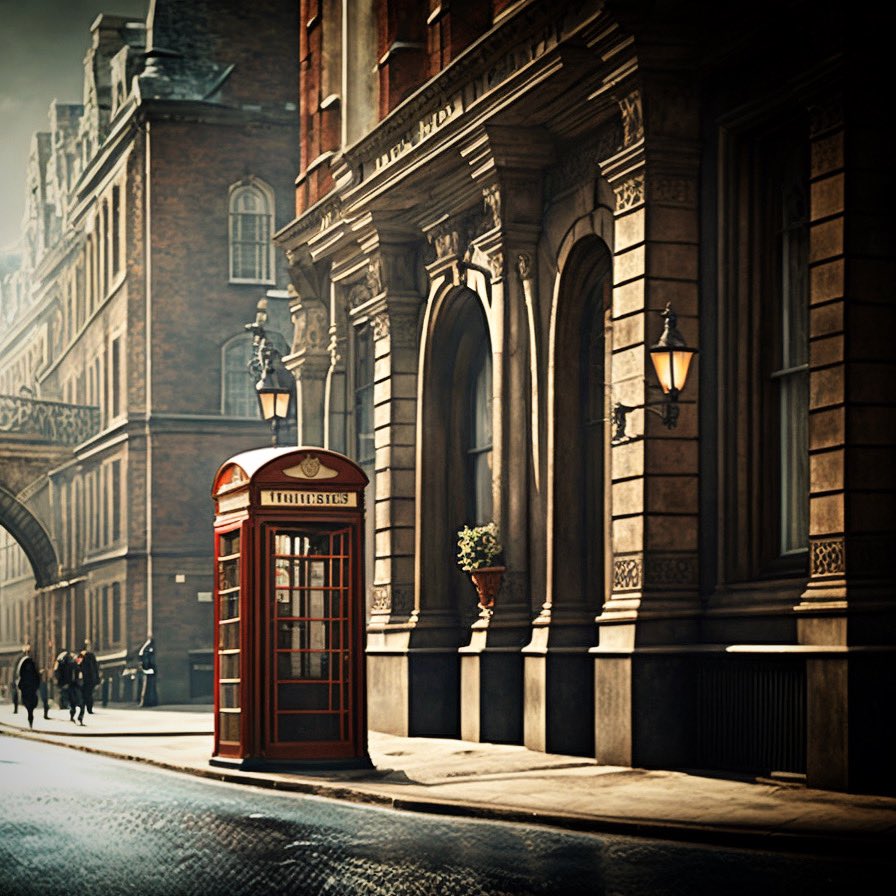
column 752, row 714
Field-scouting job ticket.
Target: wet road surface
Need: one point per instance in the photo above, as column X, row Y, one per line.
column 72, row 822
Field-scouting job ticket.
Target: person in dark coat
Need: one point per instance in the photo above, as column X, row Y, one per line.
column 91, row 669
column 44, row 691
column 76, row 688
column 147, row 654
column 61, row 674
column 28, row 682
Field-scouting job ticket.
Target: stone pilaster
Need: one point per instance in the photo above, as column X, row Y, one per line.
column 851, row 385
column 391, row 305
column 654, row 468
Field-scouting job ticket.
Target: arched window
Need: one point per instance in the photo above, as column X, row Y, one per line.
column 251, row 231
column 238, row 396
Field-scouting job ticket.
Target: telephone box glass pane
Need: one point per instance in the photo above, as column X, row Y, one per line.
column 229, row 636
column 311, row 579
column 308, row 727
column 229, row 666
column 229, row 726
column 229, row 544
column 229, row 695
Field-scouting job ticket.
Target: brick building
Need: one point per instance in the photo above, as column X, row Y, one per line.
column 147, row 244
column 495, row 203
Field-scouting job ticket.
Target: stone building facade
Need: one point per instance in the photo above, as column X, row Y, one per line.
column 147, row 245
column 495, row 204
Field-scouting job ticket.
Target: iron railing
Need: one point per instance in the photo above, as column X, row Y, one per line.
column 55, row 421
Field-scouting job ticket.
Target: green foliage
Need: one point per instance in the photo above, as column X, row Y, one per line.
column 478, row 546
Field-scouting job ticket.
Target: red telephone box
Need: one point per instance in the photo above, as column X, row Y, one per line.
column 290, row 679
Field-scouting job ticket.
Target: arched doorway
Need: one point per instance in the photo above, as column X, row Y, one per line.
column 580, row 484
column 456, row 450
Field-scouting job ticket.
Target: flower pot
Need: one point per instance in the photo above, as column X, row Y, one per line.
column 487, row 580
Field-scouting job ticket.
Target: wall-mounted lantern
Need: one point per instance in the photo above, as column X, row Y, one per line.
column 272, row 389
column 671, row 358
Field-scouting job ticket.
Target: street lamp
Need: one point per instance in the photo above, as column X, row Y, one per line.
column 273, row 392
column 671, row 358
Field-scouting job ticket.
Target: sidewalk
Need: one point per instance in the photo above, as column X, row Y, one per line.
column 506, row 783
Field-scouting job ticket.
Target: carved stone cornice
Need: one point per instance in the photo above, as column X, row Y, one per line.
column 313, row 221
column 522, row 39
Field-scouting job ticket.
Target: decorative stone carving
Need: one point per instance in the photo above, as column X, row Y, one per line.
column 669, row 190
column 375, row 276
column 524, row 266
column 492, row 205
column 496, row 265
column 310, row 325
column 626, row 573
column 828, row 558
column 403, row 328
column 381, row 325
column 446, row 243
column 632, row 118
column 670, row 570
column 629, row 193
column 358, row 294
column 398, row 599
column 581, row 160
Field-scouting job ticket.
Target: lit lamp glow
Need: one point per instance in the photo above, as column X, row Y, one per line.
column 273, row 399
column 671, row 359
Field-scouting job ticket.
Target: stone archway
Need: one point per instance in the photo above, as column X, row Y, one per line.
column 31, row 535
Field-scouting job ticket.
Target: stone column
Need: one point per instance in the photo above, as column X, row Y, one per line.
column 507, row 165
column 654, row 470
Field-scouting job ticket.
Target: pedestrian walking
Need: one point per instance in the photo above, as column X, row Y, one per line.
column 44, row 690
column 91, row 670
column 61, row 674
column 28, row 682
column 76, row 689
column 147, row 654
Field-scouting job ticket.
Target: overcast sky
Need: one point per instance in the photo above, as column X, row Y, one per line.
column 42, row 47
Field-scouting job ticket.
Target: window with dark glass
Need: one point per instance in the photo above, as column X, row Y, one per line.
column 479, row 445
column 364, row 446
column 116, row 230
column 764, row 354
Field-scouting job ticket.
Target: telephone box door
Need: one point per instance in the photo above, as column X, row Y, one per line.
column 312, row 634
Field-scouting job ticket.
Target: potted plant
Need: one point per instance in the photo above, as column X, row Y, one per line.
column 478, row 546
